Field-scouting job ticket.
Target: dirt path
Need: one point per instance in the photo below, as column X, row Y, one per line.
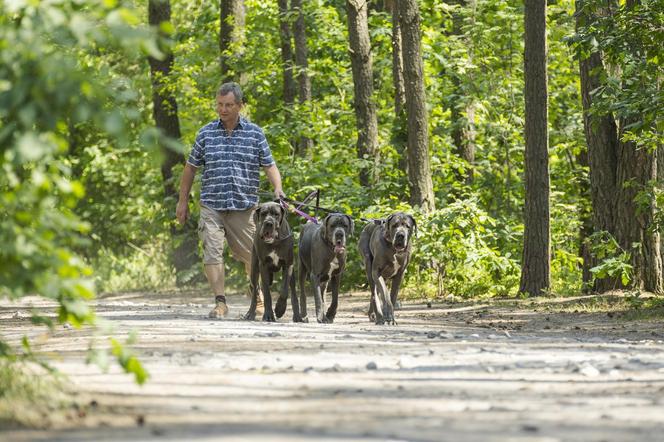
column 451, row 372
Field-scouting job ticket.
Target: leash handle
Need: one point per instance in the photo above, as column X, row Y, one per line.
column 282, row 202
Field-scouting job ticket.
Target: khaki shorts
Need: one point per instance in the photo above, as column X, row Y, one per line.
column 235, row 226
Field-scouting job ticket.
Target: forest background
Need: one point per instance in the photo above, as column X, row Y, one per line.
column 101, row 101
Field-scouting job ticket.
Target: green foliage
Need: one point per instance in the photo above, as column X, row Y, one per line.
column 53, row 99
column 630, row 38
column 28, row 393
column 614, row 261
column 147, row 268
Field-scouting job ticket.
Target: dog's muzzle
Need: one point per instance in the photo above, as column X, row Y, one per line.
column 339, row 240
column 269, row 231
column 400, row 241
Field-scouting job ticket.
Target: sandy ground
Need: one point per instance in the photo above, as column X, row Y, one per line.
column 452, row 371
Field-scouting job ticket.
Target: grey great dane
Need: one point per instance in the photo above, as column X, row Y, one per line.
column 385, row 247
column 272, row 251
column 322, row 259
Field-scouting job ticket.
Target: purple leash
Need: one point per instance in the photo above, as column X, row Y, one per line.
column 298, row 211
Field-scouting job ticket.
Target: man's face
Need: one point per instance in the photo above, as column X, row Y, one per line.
column 228, row 110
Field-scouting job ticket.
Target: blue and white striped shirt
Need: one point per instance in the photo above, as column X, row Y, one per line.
column 231, row 164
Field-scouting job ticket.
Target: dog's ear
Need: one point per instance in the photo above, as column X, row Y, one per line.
column 325, row 221
column 387, row 220
column 352, row 224
column 414, row 224
column 256, row 215
column 283, row 214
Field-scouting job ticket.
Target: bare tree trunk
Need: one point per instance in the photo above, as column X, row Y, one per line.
column 231, row 29
column 602, row 142
column 365, row 108
column 536, row 263
column 419, row 169
column 397, row 58
column 637, row 169
column 286, row 55
column 305, row 144
column 463, row 110
column 165, row 114
column 289, row 87
column 618, row 172
column 399, row 130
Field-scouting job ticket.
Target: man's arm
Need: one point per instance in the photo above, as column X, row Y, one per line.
column 274, row 177
column 182, row 209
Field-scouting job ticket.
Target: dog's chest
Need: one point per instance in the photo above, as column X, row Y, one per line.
column 393, row 267
column 272, row 260
column 334, row 266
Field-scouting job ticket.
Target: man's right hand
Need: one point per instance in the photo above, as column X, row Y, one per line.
column 182, row 212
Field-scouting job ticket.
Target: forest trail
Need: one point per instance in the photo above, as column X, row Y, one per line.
column 505, row 370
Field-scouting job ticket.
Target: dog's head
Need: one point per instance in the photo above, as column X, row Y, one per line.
column 268, row 218
column 399, row 229
column 336, row 229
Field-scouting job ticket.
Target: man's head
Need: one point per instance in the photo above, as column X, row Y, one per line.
column 229, row 103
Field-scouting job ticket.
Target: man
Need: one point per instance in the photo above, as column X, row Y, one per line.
column 231, row 151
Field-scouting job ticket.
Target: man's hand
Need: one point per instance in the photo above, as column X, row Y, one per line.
column 279, row 194
column 182, row 212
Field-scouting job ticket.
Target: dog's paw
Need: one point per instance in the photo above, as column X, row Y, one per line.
column 268, row 317
column 330, row 317
column 305, row 319
column 372, row 317
column 249, row 316
column 280, row 308
column 297, row 318
column 323, row 319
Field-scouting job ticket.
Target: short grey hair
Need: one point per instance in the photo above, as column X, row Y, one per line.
column 233, row 88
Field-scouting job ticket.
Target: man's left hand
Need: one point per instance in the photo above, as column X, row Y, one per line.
column 279, row 194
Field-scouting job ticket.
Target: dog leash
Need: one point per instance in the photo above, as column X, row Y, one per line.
column 305, row 215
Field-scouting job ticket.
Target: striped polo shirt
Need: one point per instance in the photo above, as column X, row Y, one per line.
column 231, row 164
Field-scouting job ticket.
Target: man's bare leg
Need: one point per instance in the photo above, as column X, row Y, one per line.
column 215, row 276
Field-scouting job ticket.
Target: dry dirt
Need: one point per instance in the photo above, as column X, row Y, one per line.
column 475, row 372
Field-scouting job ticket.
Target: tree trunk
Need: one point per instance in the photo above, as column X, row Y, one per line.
column 637, row 170
column 397, row 58
column 286, row 55
column 231, row 28
column 305, row 144
column 618, row 172
column 463, row 109
column 419, row 169
column 289, row 87
column 536, row 264
column 399, row 129
column 602, row 142
column 365, row 108
column 165, row 113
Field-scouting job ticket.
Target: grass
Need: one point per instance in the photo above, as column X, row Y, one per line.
column 630, row 306
column 29, row 395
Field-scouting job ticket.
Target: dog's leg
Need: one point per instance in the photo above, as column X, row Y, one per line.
column 394, row 290
column 383, row 306
column 268, row 315
column 295, row 303
column 302, row 273
column 368, row 263
column 280, row 307
column 253, row 287
column 332, row 310
column 318, row 298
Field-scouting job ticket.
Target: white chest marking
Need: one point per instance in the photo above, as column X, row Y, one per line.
column 274, row 257
column 395, row 266
column 333, row 266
